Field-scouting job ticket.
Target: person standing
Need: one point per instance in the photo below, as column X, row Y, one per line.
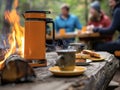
column 67, row 21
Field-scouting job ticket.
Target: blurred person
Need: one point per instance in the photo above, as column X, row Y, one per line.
column 67, row 22
column 114, row 26
column 98, row 18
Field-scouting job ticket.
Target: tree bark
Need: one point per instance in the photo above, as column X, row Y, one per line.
column 86, row 11
column 6, row 24
column 0, row 3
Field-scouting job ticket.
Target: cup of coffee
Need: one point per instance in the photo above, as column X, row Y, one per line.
column 66, row 60
column 62, row 31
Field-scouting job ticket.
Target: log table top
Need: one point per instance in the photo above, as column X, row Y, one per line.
column 97, row 77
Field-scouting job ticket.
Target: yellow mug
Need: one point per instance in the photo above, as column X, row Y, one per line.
column 84, row 29
column 62, row 31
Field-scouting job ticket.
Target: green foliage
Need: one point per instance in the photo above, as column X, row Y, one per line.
column 2, row 6
column 105, row 6
column 78, row 7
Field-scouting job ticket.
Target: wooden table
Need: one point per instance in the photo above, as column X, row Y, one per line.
column 86, row 38
column 97, row 77
column 58, row 36
column 73, row 35
column 88, row 35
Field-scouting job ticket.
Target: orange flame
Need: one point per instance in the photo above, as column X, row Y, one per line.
column 16, row 37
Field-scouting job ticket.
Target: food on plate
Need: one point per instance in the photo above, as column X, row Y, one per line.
column 91, row 53
column 82, row 56
column 80, row 60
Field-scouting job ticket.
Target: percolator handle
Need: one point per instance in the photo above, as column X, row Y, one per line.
column 53, row 28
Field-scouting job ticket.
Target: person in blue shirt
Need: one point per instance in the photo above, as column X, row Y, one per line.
column 67, row 21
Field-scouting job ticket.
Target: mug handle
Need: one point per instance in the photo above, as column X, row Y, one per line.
column 58, row 61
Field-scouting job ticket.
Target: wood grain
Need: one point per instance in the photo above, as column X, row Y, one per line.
column 97, row 77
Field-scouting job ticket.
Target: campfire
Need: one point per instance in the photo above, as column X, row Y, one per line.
column 16, row 37
column 29, row 42
column 27, row 46
column 10, row 66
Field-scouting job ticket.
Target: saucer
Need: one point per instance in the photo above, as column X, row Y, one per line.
column 86, row 63
column 77, row 71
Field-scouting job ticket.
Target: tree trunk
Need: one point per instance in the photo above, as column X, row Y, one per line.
column 86, row 11
column 0, row 3
column 6, row 24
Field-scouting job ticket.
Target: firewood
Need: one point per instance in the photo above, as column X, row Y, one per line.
column 2, row 54
column 16, row 69
column 2, row 57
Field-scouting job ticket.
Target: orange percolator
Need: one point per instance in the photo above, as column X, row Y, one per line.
column 35, row 37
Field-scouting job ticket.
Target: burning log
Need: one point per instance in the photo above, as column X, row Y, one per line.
column 2, row 54
column 16, row 69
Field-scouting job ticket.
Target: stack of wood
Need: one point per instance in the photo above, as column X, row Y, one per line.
column 16, row 69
